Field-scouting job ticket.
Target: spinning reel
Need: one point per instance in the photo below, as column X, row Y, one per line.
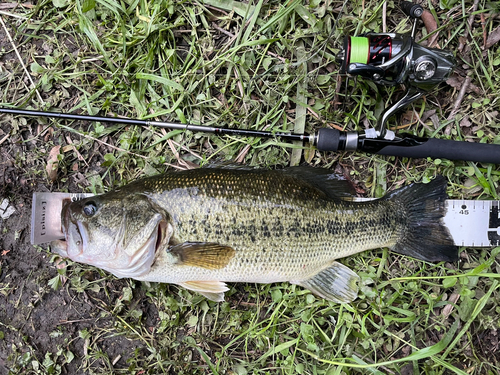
column 391, row 59
column 396, row 59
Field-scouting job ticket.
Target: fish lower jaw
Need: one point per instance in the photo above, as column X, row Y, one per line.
column 139, row 264
column 59, row 247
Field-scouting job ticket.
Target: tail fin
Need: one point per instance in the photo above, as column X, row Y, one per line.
column 425, row 236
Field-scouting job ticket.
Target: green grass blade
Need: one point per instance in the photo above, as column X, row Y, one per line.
column 281, row 14
column 164, row 81
column 238, row 7
column 416, row 356
column 88, row 28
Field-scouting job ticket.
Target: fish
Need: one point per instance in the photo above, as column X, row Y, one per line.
column 205, row 227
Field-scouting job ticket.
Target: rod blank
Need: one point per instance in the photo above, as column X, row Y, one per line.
column 162, row 124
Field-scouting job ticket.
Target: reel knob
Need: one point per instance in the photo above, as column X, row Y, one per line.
column 412, row 10
column 425, row 68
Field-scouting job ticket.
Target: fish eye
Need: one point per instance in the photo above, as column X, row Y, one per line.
column 89, row 209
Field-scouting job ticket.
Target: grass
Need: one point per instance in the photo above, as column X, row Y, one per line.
column 259, row 65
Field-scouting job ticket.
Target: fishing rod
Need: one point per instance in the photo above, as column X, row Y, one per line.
column 388, row 59
column 325, row 139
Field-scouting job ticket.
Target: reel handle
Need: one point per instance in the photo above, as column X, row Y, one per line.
column 411, row 9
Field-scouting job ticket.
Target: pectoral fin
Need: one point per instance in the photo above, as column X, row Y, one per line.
column 337, row 283
column 213, row 290
column 212, row 256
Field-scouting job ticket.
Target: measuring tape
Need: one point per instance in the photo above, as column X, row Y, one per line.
column 471, row 223
column 46, row 210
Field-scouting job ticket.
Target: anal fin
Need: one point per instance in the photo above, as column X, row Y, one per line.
column 337, row 283
column 213, row 290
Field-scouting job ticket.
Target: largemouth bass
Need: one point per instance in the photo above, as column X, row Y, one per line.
column 204, row 227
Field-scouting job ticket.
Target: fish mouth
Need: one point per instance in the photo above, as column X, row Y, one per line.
column 61, row 246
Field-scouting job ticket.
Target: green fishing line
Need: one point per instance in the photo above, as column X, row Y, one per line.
column 359, row 50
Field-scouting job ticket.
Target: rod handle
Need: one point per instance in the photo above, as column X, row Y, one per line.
column 446, row 149
column 412, row 147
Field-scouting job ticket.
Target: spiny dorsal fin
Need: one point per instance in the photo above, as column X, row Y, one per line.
column 337, row 283
column 335, row 186
column 208, row 255
column 229, row 164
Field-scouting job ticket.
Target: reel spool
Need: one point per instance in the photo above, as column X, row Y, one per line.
column 391, row 59
column 372, row 50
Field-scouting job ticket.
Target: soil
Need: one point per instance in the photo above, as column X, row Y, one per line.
column 32, row 314
column 38, row 323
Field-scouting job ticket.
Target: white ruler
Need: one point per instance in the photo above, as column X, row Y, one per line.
column 473, row 223
column 46, row 215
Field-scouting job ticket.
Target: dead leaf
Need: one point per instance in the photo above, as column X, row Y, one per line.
column 465, row 122
column 62, row 264
column 309, row 154
column 409, row 118
column 493, row 38
column 188, row 164
column 457, row 82
column 243, row 153
column 15, row 5
column 5, row 252
column 431, row 26
column 435, row 121
column 449, row 308
column 427, row 114
column 53, row 163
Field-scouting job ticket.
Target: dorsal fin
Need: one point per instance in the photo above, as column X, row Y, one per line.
column 228, row 164
column 335, row 186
